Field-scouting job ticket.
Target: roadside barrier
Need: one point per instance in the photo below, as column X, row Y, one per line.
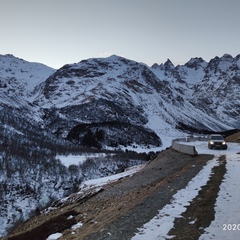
column 188, row 149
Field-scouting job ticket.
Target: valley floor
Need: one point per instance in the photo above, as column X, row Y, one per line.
column 174, row 196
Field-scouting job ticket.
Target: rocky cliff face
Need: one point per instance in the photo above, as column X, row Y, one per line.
column 211, row 88
column 218, row 92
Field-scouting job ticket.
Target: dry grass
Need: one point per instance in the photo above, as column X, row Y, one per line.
column 234, row 137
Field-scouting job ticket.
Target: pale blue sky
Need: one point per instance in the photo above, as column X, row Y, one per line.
column 56, row 32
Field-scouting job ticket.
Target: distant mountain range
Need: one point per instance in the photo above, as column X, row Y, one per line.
column 99, row 103
column 103, row 102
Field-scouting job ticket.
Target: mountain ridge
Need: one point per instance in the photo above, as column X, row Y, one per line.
column 162, row 90
column 100, row 103
column 199, row 95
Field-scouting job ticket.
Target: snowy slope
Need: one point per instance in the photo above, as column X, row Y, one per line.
column 197, row 96
column 209, row 87
column 226, row 222
column 219, row 90
column 20, row 76
column 226, row 207
column 20, row 81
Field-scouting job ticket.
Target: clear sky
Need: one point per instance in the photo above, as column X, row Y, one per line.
column 57, row 32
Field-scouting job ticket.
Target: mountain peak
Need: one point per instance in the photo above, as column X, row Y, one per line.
column 114, row 57
column 10, row 58
column 222, row 63
column 117, row 58
column 196, row 62
column 7, row 56
column 169, row 63
column 227, row 56
column 167, row 66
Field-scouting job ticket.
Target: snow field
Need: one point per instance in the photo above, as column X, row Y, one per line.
column 77, row 159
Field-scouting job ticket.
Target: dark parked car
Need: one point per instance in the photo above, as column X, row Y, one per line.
column 217, row 141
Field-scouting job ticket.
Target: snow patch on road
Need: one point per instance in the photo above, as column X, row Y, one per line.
column 161, row 224
column 227, row 204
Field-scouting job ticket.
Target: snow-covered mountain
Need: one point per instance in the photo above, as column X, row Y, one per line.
column 19, row 82
column 101, row 103
column 110, row 101
column 22, row 77
column 116, row 100
column 210, row 88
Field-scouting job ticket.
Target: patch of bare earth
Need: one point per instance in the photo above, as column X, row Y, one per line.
column 234, row 137
column 200, row 212
column 117, row 210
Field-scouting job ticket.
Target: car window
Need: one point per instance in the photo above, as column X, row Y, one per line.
column 216, row 137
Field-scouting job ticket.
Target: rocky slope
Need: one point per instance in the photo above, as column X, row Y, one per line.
column 210, row 88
